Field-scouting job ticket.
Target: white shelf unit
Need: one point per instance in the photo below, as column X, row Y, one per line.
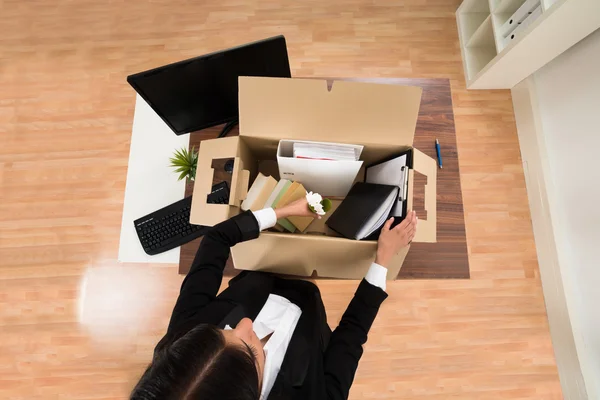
column 477, row 34
column 504, row 41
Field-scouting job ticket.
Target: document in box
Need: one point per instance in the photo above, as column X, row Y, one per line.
column 320, row 173
column 392, row 172
column 325, row 151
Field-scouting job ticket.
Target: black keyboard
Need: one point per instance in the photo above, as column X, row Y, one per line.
column 219, row 194
column 169, row 227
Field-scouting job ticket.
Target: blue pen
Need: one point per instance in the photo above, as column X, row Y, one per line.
column 439, row 152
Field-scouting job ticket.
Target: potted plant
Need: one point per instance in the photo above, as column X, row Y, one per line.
column 185, row 163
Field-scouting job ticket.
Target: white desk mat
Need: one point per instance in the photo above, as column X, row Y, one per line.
column 151, row 183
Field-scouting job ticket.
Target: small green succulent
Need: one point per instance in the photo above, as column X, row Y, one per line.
column 185, row 163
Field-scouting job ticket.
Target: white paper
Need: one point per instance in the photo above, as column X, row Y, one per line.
column 326, row 177
column 391, row 172
column 325, row 151
column 151, row 183
column 378, row 218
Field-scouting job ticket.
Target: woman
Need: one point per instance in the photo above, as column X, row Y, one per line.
column 263, row 337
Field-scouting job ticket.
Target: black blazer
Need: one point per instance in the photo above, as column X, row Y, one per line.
column 319, row 364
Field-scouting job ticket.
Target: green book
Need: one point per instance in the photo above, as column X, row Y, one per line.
column 283, row 201
column 286, row 224
column 278, row 193
column 276, row 196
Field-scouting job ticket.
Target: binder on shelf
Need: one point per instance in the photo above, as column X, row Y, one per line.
column 522, row 26
column 526, row 9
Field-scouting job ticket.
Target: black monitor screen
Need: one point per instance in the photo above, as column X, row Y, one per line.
column 202, row 92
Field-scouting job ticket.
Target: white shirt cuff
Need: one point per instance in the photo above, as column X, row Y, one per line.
column 376, row 275
column 266, row 218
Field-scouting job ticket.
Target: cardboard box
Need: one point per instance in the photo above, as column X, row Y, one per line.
column 382, row 118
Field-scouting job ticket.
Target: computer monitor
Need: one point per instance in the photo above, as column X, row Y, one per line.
column 202, row 92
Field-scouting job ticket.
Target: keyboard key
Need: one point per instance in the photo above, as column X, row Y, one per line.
column 168, row 241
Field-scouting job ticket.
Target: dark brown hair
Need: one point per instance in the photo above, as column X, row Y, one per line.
column 200, row 365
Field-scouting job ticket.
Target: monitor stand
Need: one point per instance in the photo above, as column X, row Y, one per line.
column 228, row 127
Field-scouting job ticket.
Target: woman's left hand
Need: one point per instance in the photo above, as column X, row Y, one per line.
column 298, row 208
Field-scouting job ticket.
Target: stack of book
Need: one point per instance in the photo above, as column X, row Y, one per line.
column 267, row 192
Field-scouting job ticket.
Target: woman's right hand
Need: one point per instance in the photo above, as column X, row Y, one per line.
column 298, row 208
column 391, row 241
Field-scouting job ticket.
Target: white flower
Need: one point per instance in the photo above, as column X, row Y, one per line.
column 313, row 198
column 314, row 202
column 319, row 209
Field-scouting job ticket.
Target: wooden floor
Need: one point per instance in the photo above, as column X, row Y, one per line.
column 76, row 324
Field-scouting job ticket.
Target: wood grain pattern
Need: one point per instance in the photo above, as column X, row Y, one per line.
column 448, row 257
column 77, row 324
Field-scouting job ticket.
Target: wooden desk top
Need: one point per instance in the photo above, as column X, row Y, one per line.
column 448, row 257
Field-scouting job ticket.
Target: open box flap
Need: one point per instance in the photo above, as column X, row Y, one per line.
column 203, row 213
column 426, row 229
column 351, row 112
